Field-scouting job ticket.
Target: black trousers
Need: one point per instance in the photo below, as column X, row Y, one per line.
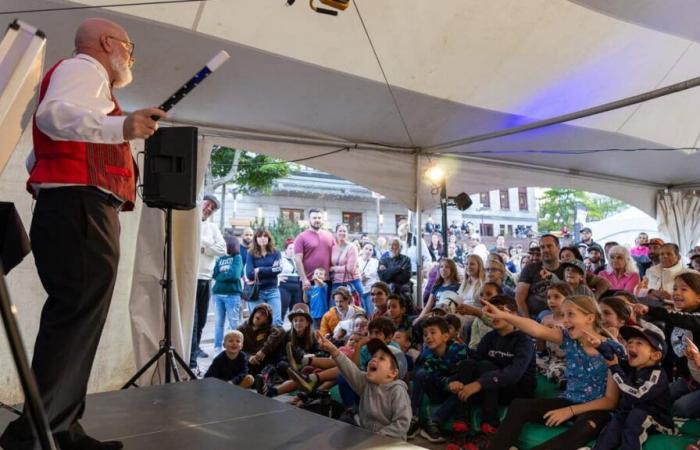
column 201, row 309
column 75, row 240
column 290, row 295
column 585, row 428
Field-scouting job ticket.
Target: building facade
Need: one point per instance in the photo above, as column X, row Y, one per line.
column 511, row 212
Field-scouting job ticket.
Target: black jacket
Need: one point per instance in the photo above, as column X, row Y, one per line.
column 395, row 269
column 226, row 369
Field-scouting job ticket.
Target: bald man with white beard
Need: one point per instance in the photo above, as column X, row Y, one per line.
column 82, row 174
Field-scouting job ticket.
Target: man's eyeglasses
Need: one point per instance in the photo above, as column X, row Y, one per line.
column 129, row 45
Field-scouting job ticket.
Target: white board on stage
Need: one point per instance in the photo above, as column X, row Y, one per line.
column 21, row 64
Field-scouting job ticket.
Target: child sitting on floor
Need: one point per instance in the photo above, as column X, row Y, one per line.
column 403, row 339
column 343, row 310
column 298, row 342
column 681, row 323
column 231, row 365
column 551, row 362
column 501, row 369
column 644, row 402
column 590, row 391
column 261, row 340
column 384, row 401
column 437, row 363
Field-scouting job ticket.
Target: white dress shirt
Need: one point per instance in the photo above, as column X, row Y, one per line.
column 76, row 104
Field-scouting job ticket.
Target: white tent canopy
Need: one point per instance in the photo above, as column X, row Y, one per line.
column 459, row 70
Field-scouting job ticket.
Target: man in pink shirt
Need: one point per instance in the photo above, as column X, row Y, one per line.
column 313, row 249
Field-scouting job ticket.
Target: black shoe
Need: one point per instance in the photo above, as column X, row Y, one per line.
column 202, row 354
column 431, row 431
column 414, row 429
column 84, row 442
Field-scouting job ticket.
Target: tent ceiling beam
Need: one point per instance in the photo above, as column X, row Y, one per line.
column 556, row 170
column 209, row 131
column 617, row 104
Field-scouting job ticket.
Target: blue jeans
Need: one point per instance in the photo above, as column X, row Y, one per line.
column 271, row 297
column 227, row 306
column 686, row 399
column 423, row 384
column 367, row 304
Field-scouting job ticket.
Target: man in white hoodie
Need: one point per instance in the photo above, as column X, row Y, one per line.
column 212, row 245
column 385, row 407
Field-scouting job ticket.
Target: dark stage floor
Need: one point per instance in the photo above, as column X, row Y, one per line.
column 212, row 415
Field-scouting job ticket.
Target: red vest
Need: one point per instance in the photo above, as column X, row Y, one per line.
column 109, row 166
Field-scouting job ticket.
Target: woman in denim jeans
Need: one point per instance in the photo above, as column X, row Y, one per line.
column 263, row 265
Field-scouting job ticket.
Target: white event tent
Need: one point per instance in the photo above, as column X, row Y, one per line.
column 389, row 87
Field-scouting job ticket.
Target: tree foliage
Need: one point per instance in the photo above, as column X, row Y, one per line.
column 557, row 208
column 281, row 230
column 252, row 172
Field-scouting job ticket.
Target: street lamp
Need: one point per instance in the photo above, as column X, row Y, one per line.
column 436, row 175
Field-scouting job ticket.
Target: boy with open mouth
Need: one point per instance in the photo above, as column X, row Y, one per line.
column 385, row 407
column 644, row 401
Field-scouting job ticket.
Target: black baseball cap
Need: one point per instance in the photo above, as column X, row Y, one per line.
column 586, row 230
column 654, row 339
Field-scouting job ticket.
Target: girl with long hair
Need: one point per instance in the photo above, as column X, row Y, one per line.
column 447, row 281
column 590, row 392
column 474, row 276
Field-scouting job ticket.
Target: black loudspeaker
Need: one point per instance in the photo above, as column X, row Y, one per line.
column 170, row 168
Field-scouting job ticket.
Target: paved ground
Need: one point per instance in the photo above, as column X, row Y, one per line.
column 207, row 345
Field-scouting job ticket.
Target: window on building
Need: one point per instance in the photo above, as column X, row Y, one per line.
column 486, row 229
column 485, row 200
column 503, row 196
column 353, row 221
column 510, row 230
column 502, row 229
column 522, row 199
column 291, row 214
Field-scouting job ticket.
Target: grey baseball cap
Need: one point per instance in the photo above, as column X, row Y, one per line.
column 400, row 359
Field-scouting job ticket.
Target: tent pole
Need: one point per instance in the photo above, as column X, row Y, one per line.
column 617, row 104
column 419, row 235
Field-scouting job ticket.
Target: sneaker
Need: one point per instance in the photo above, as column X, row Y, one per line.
column 258, row 384
column 247, row 382
column 294, row 357
column 460, row 427
column 431, row 431
column 414, row 428
column 304, row 381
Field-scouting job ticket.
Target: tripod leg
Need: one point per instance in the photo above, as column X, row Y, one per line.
column 185, row 366
column 132, row 380
column 173, row 366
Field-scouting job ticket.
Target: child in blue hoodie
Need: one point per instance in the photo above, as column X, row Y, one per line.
column 500, row 369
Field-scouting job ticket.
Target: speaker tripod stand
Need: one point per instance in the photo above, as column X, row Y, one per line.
column 172, row 358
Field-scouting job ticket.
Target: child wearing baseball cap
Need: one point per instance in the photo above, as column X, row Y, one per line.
column 645, row 402
column 385, row 407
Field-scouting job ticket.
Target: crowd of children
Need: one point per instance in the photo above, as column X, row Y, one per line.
column 624, row 365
